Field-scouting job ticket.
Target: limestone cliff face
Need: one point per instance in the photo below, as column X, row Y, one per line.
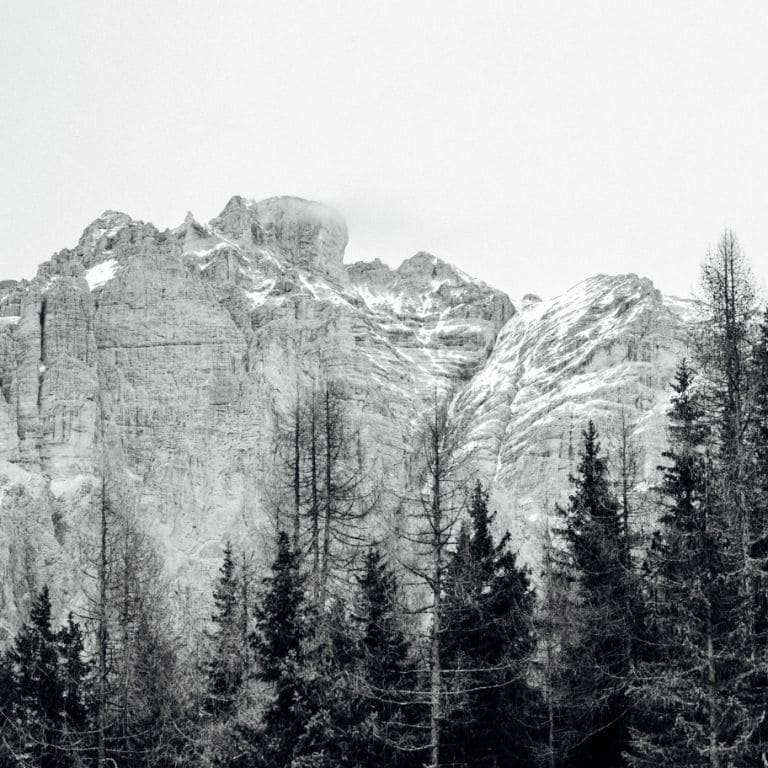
column 165, row 357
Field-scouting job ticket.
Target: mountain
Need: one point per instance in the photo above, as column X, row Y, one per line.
column 165, row 358
column 605, row 350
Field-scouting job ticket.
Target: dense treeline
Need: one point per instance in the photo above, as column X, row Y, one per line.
column 438, row 651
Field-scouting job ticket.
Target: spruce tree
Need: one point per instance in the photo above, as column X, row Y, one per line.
column 38, row 693
column 385, row 719
column 282, row 629
column 7, row 729
column 154, row 737
column 488, row 641
column 595, row 652
column 759, row 544
column 692, row 698
column 225, row 668
column 759, row 440
column 75, row 680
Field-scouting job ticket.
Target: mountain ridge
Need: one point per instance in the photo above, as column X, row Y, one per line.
column 171, row 352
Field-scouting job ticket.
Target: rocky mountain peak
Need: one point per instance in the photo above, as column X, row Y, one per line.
column 374, row 274
column 105, row 226
column 530, row 300
column 424, row 266
column 299, row 233
column 184, row 345
column 190, row 222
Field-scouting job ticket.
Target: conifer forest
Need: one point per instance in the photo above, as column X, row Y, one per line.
column 638, row 638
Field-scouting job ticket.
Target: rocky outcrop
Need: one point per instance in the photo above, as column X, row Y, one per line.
column 166, row 356
column 298, row 233
column 606, row 350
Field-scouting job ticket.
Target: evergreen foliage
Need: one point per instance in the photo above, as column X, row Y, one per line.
column 596, row 650
column 37, row 698
column 283, row 627
column 386, row 721
column 74, row 672
column 659, row 660
column 691, row 707
column 492, row 711
column 225, row 668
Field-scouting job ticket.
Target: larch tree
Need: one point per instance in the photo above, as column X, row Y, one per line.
column 724, row 340
column 330, row 483
column 125, row 610
column 433, row 521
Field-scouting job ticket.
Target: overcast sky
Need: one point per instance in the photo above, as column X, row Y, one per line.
column 530, row 143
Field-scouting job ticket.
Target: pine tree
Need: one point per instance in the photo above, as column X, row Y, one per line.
column 384, row 645
column 330, row 700
column 759, row 543
column 38, row 693
column 355, row 676
column 758, row 438
column 75, row 681
column 7, row 727
column 384, row 723
column 282, row 629
column 594, row 658
column 725, row 338
column 225, row 669
column 124, row 587
column 760, row 421
column 691, row 697
column 154, row 737
column 488, row 641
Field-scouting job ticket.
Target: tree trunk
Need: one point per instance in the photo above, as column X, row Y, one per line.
column 436, row 677
column 297, row 477
column 315, row 522
column 328, row 428
column 714, row 757
column 102, row 638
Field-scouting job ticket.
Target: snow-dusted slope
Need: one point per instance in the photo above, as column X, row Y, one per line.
column 604, row 350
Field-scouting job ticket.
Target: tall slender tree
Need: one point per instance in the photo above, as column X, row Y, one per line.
column 330, row 483
column 724, row 354
column 225, row 667
column 693, row 706
column 493, row 714
column 279, row 642
column 37, row 688
column 594, row 660
column 387, row 721
column 758, row 437
column 74, row 672
column 437, row 511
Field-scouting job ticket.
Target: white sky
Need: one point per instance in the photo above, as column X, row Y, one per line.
column 530, row 143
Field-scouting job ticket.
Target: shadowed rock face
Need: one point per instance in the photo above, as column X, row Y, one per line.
column 164, row 357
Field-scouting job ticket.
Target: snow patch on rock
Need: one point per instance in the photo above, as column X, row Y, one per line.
column 100, row 274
